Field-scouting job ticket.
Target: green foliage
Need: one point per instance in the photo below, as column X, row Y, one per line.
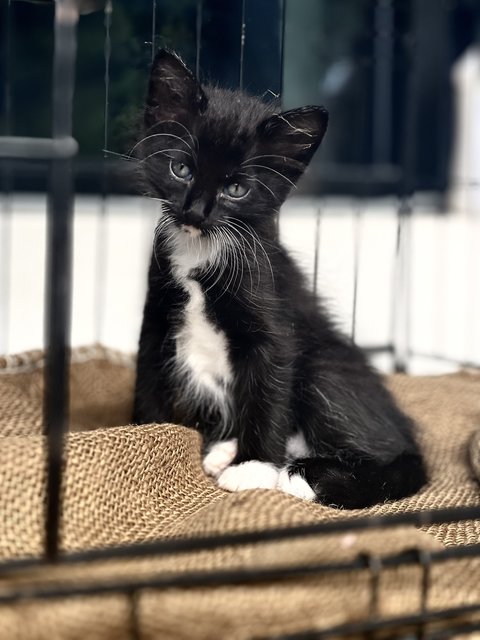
column 131, row 52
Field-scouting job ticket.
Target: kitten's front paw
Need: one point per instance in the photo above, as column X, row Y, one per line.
column 295, row 485
column 249, row 475
column 219, row 456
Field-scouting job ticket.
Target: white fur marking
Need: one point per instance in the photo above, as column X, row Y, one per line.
column 193, row 231
column 201, row 348
column 190, row 252
column 295, row 485
column 219, row 456
column 249, row 475
column 297, row 447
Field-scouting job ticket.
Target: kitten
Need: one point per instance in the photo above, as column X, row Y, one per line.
column 233, row 342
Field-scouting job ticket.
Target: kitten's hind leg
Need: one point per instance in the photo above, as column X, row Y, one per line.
column 353, row 483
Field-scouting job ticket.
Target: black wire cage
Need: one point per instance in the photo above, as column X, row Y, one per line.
column 394, row 165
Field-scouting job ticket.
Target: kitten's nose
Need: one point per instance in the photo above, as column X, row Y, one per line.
column 194, row 216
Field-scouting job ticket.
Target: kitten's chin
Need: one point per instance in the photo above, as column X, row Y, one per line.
column 193, row 232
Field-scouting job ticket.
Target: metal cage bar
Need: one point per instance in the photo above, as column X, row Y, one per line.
column 204, row 543
column 6, row 210
column 59, row 266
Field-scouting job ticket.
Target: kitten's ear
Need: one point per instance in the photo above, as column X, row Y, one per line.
column 295, row 134
column 173, row 91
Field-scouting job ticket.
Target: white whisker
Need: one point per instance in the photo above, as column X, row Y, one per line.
column 258, row 180
column 119, row 155
column 159, row 135
column 162, row 224
column 272, row 155
column 238, row 262
column 255, row 237
column 156, row 153
column 262, row 166
column 244, row 240
column 162, row 200
column 187, row 131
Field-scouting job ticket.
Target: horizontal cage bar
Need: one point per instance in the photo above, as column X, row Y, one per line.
column 185, row 545
column 18, row 148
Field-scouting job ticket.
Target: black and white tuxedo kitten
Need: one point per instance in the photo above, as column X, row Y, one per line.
column 233, row 342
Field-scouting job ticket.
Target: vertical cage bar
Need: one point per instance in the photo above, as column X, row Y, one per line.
column 101, row 257
column 472, row 311
column 6, row 213
column 59, row 270
column 401, row 306
column 133, row 597
column 281, row 49
column 374, row 564
column 107, row 51
column 154, row 26
column 5, row 267
column 356, row 264
column 316, row 255
column 264, row 79
column 281, row 54
column 243, row 29
column 198, row 36
column 401, row 298
column 382, row 94
column 101, row 240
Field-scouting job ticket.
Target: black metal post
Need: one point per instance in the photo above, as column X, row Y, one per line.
column 401, row 301
column 356, row 265
column 383, row 79
column 101, row 239
column 316, row 255
column 6, row 210
column 59, row 267
column 198, row 36
column 243, row 34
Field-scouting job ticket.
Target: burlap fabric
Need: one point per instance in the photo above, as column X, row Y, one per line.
column 127, row 484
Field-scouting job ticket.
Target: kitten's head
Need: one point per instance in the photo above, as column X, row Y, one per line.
column 216, row 155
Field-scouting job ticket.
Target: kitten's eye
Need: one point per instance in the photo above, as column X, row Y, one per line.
column 235, row 190
column 181, row 171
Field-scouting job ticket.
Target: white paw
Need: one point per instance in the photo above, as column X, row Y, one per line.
column 295, row 485
column 219, row 456
column 249, row 475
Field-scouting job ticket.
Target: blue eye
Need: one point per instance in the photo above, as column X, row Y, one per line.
column 235, row 190
column 181, row 171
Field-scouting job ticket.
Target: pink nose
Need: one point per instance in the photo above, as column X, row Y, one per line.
column 192, row 231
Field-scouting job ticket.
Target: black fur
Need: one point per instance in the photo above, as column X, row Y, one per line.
column 292, row 368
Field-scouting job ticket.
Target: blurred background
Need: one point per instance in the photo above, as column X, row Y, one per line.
column 386, row 222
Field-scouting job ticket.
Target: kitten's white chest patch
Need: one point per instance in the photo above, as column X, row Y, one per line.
column 297, row 447
column 201, row 347
column 202, row 355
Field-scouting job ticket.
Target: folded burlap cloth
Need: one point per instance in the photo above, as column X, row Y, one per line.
column 126, row 484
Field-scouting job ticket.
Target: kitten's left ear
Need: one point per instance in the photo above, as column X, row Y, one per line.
column 295, row 134
column 173, row 91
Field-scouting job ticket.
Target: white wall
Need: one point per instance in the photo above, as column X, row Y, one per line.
column 112, row 248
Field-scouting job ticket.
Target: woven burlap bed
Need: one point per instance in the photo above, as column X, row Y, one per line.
column 126, row 484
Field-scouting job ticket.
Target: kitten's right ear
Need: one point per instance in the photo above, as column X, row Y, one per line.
column 173, row 91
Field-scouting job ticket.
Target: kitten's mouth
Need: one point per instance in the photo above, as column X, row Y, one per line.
column 194, row 232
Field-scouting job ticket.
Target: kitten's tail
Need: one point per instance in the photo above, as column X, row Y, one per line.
column 356, row 483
